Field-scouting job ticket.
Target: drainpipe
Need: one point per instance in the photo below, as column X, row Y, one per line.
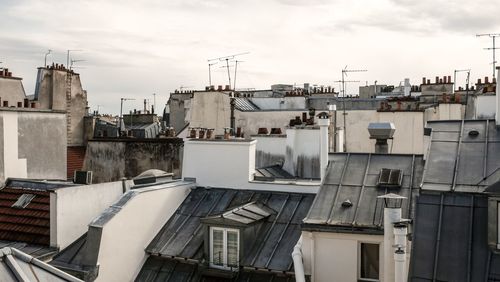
column 298, row 264
column 400, row 231
column 323, row 122
column 313, row 246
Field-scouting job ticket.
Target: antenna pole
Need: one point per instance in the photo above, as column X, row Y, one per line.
column 228, row 73
column 493, row 36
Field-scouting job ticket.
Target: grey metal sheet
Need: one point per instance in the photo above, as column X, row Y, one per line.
column 466, row 162
column 183, row 235
column 443, row 248
column 353, row 177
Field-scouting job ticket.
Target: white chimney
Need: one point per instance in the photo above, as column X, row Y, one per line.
column 400, row 232
column 497, row 115
column 407, row 87
column 392, row 214
column 323, row 122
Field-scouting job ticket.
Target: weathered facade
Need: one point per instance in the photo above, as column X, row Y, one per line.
column 112, row 159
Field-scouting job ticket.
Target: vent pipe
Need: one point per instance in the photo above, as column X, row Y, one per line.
column 381, row 131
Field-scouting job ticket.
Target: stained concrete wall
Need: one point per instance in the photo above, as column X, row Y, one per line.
column 270, row 150
column 11, row 90
column 178, row 110
column 250, row 122
column 32, row 144
column 302, row 157
column 210, row 110
column 112, row 159
column 50, row 92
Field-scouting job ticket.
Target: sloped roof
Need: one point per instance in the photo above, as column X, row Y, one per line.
column 40, row 252
column 17, row 266
column 270, row 173
column 348, row 198
column 450, row 239
column 30, row 224
column 159, row 269
column 244, row 104
column 462, row 156
column 183, row 236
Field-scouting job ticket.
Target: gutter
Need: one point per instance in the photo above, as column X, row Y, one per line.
column 298, row 265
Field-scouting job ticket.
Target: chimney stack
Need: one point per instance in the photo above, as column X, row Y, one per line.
column 381, row 131
column 323, row 122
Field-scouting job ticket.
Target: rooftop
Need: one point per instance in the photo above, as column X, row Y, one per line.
column 462, row 156
column 183, row 236
column 450, row 239
column 347, row 200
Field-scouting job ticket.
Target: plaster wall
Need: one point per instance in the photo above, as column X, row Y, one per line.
column 250, row 122
column 13, row 165
column 408, row 138
column 335, row 256
column 282, row 103
column 210, row 110
column 42, row 142
column 11, row 90
column 129, row 231
column 73, row 208
column 178, row 111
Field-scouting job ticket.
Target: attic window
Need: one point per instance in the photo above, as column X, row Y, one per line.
column 224, row 248
column 390, row 178
column 23, row 201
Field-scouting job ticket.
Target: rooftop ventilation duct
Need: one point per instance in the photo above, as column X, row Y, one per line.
column 381, row 131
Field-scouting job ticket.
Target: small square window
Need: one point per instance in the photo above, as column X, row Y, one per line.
column 224, row 248
column 369, row 262
column 390, row 178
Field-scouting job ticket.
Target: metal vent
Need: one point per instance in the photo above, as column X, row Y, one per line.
column 390, row 178
column 23, row 201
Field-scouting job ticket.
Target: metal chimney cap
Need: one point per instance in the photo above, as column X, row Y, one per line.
column 381, row 130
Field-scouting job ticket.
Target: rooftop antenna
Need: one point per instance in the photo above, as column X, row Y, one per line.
column 235, row 71
column 455, row 77
column 493, row 48
column 154, row 101
column 227, row 59
column 345, row 71
column 210, row 73
column 68, row 55
column 73, row 62
column 46, row 54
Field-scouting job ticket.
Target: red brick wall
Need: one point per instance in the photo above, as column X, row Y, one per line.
column 75, row 157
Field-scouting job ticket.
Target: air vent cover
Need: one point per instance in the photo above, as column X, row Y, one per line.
column 23, row 201
column 390, row 178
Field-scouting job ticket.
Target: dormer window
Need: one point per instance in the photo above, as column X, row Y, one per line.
column 224, row 248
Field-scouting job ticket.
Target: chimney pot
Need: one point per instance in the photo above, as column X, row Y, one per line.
column 478, row 81
column 449, row 79
column 423, row 80
column 5, row 103
column 444, row 79
column 437, row 79
column 486, row 79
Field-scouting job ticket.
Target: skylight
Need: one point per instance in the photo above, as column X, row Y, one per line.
column 390, row 178
column 23, row 201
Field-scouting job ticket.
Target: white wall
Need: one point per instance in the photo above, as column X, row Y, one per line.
column 450, row 111
column 210, row 110
column 336, row 255
column 219, row 163
column 270, row 149
column 73, row 208
column 231, row 164
column 485, row 106
column 129, row 231
column 285, row 103
column 302, row 152
column 13, row 165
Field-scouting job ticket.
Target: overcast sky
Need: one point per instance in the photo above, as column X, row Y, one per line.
column 136, row 48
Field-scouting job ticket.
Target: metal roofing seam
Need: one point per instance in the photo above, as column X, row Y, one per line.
column 362, row 189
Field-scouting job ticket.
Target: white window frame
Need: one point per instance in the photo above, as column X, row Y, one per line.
column 224, row 247
column 359, row 262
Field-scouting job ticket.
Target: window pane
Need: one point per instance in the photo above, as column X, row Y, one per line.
column 232, row 248
column 369, row 261
column 217, row 247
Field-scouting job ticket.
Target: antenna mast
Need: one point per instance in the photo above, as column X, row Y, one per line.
column 227, row 59
column 493, row 48
column 345, row 71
